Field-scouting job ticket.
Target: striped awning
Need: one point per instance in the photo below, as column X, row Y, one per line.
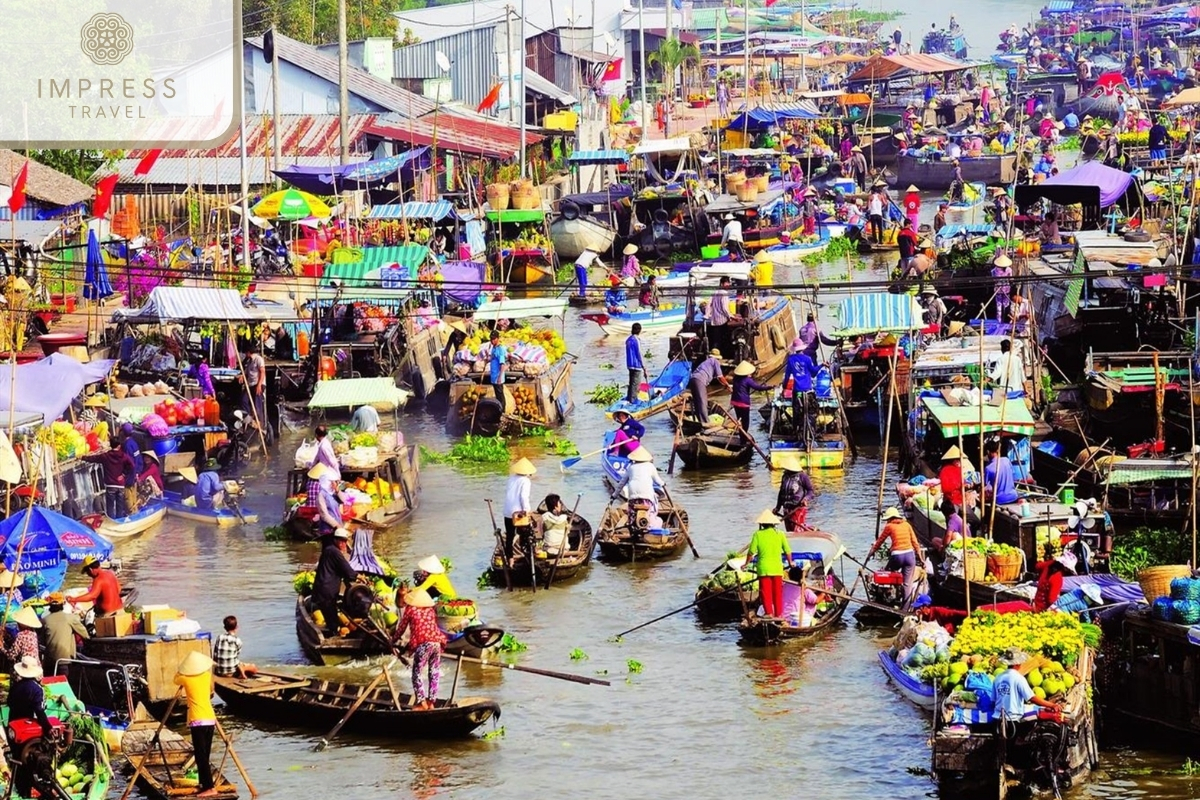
column 1123, row 472
column 955, row 421
column 598, row 157
column 354, row 392
column 434, row 211
column 1060, row 6
column 878, row 312
column 363, row 272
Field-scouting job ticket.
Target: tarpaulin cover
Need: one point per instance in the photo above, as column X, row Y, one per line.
column 179, row 304
column 332, row 178
column 757, row 119
column 1112, row 588
column 354, row 392
column 1113, row 183
column 48, row 386
column 878, row 311
column 358, row 273
column 955, row 421
column 462, row 281
column 881, row 67
column 435, row 211
column 51, row 541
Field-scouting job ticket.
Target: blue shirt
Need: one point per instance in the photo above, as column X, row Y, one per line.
column 743, row 385
column 135, row 452
column 633, row 353
column 633, row 429
column 499, row 359
column 803, row 369
column 1012, row 693
column 1071, row 120
column 999, row 473
column 707, row 371
column 207, row 485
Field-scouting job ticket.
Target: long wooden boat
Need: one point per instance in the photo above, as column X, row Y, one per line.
column 222, row 517
column 826, row 449
column 714, row 450
column 581, row 540
column 937, row 175
column 317, row 703
column 668, row 389
column 759, row 631
column 763, row 341
column 546, row 395
column 167, row 761
column 322, row 649
column 146, row 518
column 667, row 316
column 976, row 760
column 720, row 597
column 717, row 418
column 620, row 542
column 571, row 236
column 794, row 253
column 400, row 472
column 917, row 691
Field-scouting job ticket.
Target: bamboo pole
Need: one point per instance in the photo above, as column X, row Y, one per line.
column 1195, row 455
column 262, row 436
column 237, row 762
column 887, row 440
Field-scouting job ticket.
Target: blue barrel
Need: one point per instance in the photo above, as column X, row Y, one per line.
column 824, row 382
column 165, row 445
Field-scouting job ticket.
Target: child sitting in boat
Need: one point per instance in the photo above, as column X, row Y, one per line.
column 556, row 525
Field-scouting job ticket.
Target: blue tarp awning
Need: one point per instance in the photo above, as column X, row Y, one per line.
column 757, row 119
column 48, row 386
column 878, row 312
column 435, row 211
column 51, row 540
column 1060, row 6
column 598, row 157
column 330, row 179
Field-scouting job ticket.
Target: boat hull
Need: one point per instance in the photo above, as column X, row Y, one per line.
column 761, row 632
column 222, row 518
column 667, row 390
column 574, row 560
column 123, row 527
column 572, row 236
column 650, row 320
column 920, row 693
column 714, row 451
column 619, row 543
column 550, row 392
column 937, row 175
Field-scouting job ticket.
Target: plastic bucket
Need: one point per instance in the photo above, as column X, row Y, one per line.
column 710, row 252
column 165, row 445
column 1066, row 495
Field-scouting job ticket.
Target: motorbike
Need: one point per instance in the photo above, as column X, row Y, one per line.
column 271, row 257
column 235, row 449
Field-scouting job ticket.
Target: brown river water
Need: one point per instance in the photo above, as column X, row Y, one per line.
column 704, row 718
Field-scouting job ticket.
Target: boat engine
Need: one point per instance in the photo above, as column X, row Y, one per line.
column 35, row 756
column 640, row 513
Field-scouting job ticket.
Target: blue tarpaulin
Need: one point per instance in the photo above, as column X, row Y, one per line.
column 878, row 312
column 757, row 119
column 598, row 157
column 50, row 542
column 333, row 178
column 412, row 210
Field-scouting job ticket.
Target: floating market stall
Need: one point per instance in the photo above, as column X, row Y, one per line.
column 538, row 389
column 39, row 543
column 761, row 332
column 765, row 217
column 520, row 248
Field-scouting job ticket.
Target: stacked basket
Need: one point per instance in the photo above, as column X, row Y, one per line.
column 1156, row 581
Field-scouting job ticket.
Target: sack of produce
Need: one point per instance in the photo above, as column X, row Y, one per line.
column 1180, row 587
column 1161, row 609
column 1185, row 612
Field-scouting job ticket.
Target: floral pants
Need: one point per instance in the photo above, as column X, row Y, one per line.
column 427, row 659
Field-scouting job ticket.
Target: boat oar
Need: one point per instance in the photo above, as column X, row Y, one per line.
column 567, row 463
column 675, row 442
column 500, row 545
column 851, row 598
column 237, row 762
column 682, row 524
column 749, row 438
column 151, row 743
column 362, row 698
column 692, row 604
column 562, row 676
column 563, row 546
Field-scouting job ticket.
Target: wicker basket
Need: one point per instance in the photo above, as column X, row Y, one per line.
column 734, row 180
column 1006, row 568
column 975, row 566
column 1156, row 581
column 498, row 196
column 525, row 199
column 747, row 192
column 762, row 182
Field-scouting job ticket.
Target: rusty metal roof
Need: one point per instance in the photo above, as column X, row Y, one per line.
column 300, row 135
column 457, row 134
column 212, row 170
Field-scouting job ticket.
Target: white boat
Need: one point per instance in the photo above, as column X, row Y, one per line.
column 665, row 317
column 572, row 236
column 920, row 693
column 793, row 254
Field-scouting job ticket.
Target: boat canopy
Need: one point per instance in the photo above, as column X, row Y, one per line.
column 757, row 119
column 511, row 215
column 354, row 392
column 1146, row 470
column 580, row 157
column 45, row 388
column 729, row 204
column 882, row 67
column 435, row 211
column 825, row 545
column 878, row 312
column 521, row 308
column 954, row 421
column 333, row 178
column 680, row 144
column 181, row 304
column 752, row 152
column 365, row 270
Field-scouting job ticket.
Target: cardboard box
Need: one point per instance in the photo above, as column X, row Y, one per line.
column 151, row 619
column 120, row 624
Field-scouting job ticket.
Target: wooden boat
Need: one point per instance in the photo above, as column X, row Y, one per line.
column 581, row 541
column 667, row 316
column 612, row 463
column 719, row 597
column 668, row 389
column 937, row 175
column 317, row 703
column 322, row 649
column 401, row 471
column 716, row 420
column 167, row 761
column 824, row 449
column 977, row 761
column 716, row 449
column 222, row 518
column 759, row 631
column 572, row 236
column 763, row 340
column 146, row 517
column 917, row 691
column 756, row 238
column 620, row 542
column 793, row 254
column 867, row 245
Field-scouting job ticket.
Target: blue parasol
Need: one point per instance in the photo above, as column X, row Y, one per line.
column 95, row 280
column 51, row 541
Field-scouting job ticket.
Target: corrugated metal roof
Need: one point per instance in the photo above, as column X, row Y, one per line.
column 209, row 170
column 29, row 230
column 354, row 392
column 358, row 82
column 178, row 304
column 44, row 183
column 437, row 22
column 536, row 83
column 306, row 135
column 459, row 134
column 472, row 55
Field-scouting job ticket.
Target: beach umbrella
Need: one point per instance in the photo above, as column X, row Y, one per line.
column 96, row 284
column 51, row 542
column 291, row 204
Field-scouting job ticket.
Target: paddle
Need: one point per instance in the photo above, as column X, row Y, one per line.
column 362, row 698
column 682, row 524
column 562, row 676
column 675, row 443
column 685, row 608
column 567, row 463
column 749, row 438
column 500, row 544
column 150, row 745
column 851, row 598
column 563, row 546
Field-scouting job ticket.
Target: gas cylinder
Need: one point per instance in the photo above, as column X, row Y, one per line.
column 302, row 344
column 328, row 367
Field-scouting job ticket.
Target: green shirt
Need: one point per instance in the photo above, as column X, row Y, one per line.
column 768, row 547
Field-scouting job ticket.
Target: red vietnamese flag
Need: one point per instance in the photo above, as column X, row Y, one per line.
column 16, row 201
column 104, row 195
column 490, row 100
column 771, row 3
column 612, row 72
column 147, row 163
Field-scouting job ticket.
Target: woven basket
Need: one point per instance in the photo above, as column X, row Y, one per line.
column 1006, row 568
column 498, row 196
column 747, row 192
column 1156, row 581
column 526, row 199
column 975, row 566
column 734, row 180
column 762, row 182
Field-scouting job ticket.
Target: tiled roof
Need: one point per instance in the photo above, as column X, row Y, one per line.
column 304, row 135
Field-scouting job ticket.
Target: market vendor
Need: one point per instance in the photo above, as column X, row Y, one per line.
column 325, row 454
column 209, row 491
column 200, row 372
column 556, row 526
column 628, row 436
column 365, row 419
column 119, row 472
column 1013, row 692
column 950, row 476
column 1050, row 579
column 333, row 569
column 999, row 483
column 150, row 481
column 904, row 547
column 322, row 495
column 105, row 591
column 430, row 576
column 129, row 444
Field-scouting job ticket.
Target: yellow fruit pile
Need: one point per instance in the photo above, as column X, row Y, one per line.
column 527, row 405
column 468, row 400
column 548, row 340
column 1051, row 634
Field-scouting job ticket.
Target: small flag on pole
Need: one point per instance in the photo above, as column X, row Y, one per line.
column 17, row 200
column 147, row 163
column 612, row 72
column 490, row 100
column 104, row 195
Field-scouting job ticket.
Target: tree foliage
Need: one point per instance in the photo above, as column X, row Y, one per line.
column 670, row 56
column 79, row 164
column 316, row 22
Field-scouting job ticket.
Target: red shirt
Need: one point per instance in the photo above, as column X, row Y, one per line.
column 1049, row 585
column 952, row 482
column 105, row 592
column 912, row 204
